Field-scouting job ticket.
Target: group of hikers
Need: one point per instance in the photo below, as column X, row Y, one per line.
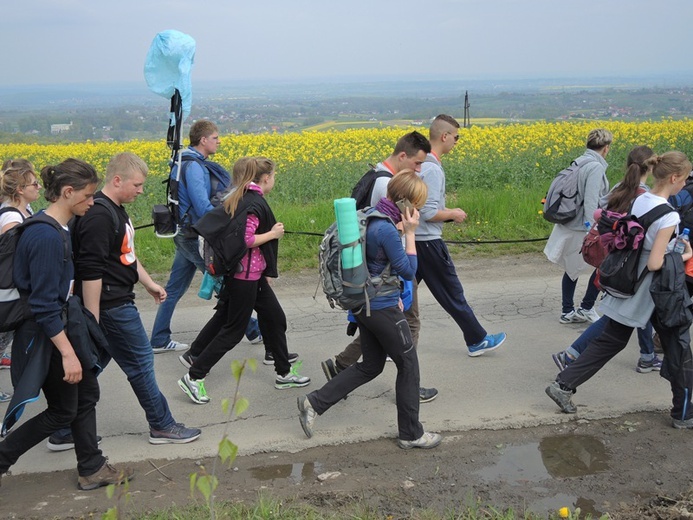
column 78, row 269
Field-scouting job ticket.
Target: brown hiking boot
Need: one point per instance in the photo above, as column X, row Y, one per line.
column 106, row 476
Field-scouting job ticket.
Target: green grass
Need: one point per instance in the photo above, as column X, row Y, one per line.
column 505, row 214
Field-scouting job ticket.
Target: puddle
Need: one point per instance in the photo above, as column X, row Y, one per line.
column 296, row 472
column 557, row 457
column 561, row 456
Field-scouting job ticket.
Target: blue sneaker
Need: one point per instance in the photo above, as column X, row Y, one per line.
column 491, row 342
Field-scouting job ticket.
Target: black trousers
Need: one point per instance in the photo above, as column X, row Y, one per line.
column 384, row 333
column 69, row 406
column 437, row 269
column 226, row 328
column 677, row 365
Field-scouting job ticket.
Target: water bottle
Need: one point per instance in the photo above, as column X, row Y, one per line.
column 207, row 286
column 587, row 226
column 680, row 246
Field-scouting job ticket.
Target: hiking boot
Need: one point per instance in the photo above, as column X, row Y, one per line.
column 107, row 475
column 173, row 346
column 269, row 358
column 657, row 344
column 490, row 342
column 177, row 433
column 187, row 359
column 291, row 379
column 588, row 314
column 330, row 368
column 194, row 389
column 644, row 367
column 561, row 397
column 5, row 361
column 571, row 317
column 427, row 441
column 683, row 424
column 562, row 360
column 57, row 442
column 306, row 415
column 426, row 395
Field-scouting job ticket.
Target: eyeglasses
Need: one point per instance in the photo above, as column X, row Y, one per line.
column 35, row 184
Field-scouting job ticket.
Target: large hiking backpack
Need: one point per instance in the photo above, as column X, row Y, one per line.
column 564, row 198
column 363, row 189
column 14, row 307
column 167, row 218
column 352, row 289
column 619, row 275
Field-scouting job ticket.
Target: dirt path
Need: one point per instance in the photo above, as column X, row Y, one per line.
column 616, row 465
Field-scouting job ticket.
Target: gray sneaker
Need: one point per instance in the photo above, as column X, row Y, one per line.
column 177, row 433
column 427, row 441
column 561, row 397
column 683, row 424
column 306, row 415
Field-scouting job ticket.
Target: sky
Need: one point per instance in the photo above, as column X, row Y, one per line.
column 95, row 41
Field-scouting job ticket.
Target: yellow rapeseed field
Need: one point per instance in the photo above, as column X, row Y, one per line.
column 326, row 164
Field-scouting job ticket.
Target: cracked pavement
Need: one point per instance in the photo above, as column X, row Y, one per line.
column 517, row 294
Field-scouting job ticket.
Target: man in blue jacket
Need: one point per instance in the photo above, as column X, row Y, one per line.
column 198, row 185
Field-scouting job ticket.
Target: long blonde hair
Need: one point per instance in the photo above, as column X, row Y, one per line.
column 16, row 175
column 245, row 171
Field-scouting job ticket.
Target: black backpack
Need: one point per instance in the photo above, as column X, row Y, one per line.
column 363, row 190
column 167, row 217
column 14, row 307
column 618, row 273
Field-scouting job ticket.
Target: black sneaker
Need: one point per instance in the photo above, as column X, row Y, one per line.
column 186, row 359
column 426, row 395
column 59, row 443
column 269, row 358
column 330, row 368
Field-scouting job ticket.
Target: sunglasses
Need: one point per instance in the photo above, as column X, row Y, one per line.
column 455, row 137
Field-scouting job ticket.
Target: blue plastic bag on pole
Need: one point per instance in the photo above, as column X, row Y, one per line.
column 168, row 66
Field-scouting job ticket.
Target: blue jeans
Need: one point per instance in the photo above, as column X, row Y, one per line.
column 186, row 261
column 129, row 347
column 568, row 293
column 596, row 329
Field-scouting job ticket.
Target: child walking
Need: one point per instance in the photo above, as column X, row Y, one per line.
column 247, row 289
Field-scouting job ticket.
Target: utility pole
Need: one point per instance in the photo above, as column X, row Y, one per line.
column 466, row 109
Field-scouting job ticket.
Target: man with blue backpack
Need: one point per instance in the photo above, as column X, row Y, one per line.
column 201, row 183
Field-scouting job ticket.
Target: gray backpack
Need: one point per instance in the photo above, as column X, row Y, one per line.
column 564, row 198
column 352, row 289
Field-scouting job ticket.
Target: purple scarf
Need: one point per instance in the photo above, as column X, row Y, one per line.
column 389, row 208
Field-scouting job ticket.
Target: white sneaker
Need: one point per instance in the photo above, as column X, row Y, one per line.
column 589, row 315
column 306, row 415
column 173, row 346
column 427, row 441
column 291, row 379
column 572, row 317
column 194, row 389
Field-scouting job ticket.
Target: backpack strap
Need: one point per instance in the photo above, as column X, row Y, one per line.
column 654, row 214
column 104, row 203
column 8, row 209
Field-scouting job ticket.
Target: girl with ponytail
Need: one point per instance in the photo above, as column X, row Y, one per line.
column 247, row 289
